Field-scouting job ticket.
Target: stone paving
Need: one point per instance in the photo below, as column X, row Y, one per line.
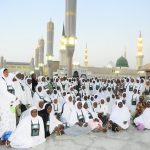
column 124, row 140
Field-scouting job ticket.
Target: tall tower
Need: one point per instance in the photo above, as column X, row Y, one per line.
column 139, row 57
column 63, row 52
column 50, row 39
column 41, row 55
column 125, row 53
column 70, row 29
column 50, row 42
column 86, row 56
column 37, row 58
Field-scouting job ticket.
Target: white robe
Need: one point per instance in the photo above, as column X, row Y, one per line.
column 144, row 118
column 119, row 115
column 21, row 137
column 67, row 109
column 7, row 113
column 28, row 94
column 74, row 119
column 53, row 123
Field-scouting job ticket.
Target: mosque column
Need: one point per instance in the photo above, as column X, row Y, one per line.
column 70, row 29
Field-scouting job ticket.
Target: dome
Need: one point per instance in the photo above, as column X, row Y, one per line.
column 122, row 62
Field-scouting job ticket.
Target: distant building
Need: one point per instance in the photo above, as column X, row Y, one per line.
column 122, row 62
column 139, row 56
column 146, row 69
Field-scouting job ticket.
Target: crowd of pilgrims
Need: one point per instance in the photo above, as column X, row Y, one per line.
column 32, row 108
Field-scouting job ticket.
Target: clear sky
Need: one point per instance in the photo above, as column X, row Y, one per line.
column 107, row 26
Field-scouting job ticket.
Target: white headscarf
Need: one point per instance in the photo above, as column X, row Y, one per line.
column 26, row 82
column 73, row 117
column 119, row 115
column 104, row 107
column 25, row 140
column 39, row 93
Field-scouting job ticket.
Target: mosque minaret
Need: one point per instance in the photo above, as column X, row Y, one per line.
column 139, row 56
column 41, row 55
column 50, row 42
column 86, row 57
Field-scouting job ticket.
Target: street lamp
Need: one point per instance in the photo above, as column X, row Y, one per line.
column 49, row 58
column 70, row 45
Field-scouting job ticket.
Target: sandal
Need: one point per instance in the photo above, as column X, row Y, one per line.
column 7, row 143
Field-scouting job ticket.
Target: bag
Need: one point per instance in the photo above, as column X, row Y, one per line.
column 90, row 87
column 81, row 118
column 63, row 86
column 90, row 115
column 47, row 126
column 130, row 88
column 10, row 89
column 97, row 87
column 124, row 89
column 133, row 101
column 35, row 129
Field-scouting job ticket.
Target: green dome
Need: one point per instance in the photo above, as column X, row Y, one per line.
column 122, row 62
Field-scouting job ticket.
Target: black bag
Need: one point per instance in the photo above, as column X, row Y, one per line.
column 90, row 115
column 90, row 87
column 97, row 87
column 130, row 88
column 133, row 102
column 81, row 118
column 35, row 129
column 10, row 89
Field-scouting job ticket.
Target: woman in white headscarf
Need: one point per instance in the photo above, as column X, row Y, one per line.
column 57, row 109
column 8, row 101
column 67, row 108
column 48, row 96
column 95, row 107
column 51, row 123
column 119, row 117
column 28, row 91
column 42, row 82
column 29, row 132
column 6, row 85
column 103, row 115
column 19, row 88
column 38, row 96
column 94, row 122
column 143, row 121
column 77, row 117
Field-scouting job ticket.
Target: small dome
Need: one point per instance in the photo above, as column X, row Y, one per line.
column 110, row 65
column 122, row 62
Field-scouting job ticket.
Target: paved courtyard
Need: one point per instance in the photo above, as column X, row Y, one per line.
column 126, row 140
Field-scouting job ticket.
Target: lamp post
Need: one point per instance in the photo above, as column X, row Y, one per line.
column 71, row 41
